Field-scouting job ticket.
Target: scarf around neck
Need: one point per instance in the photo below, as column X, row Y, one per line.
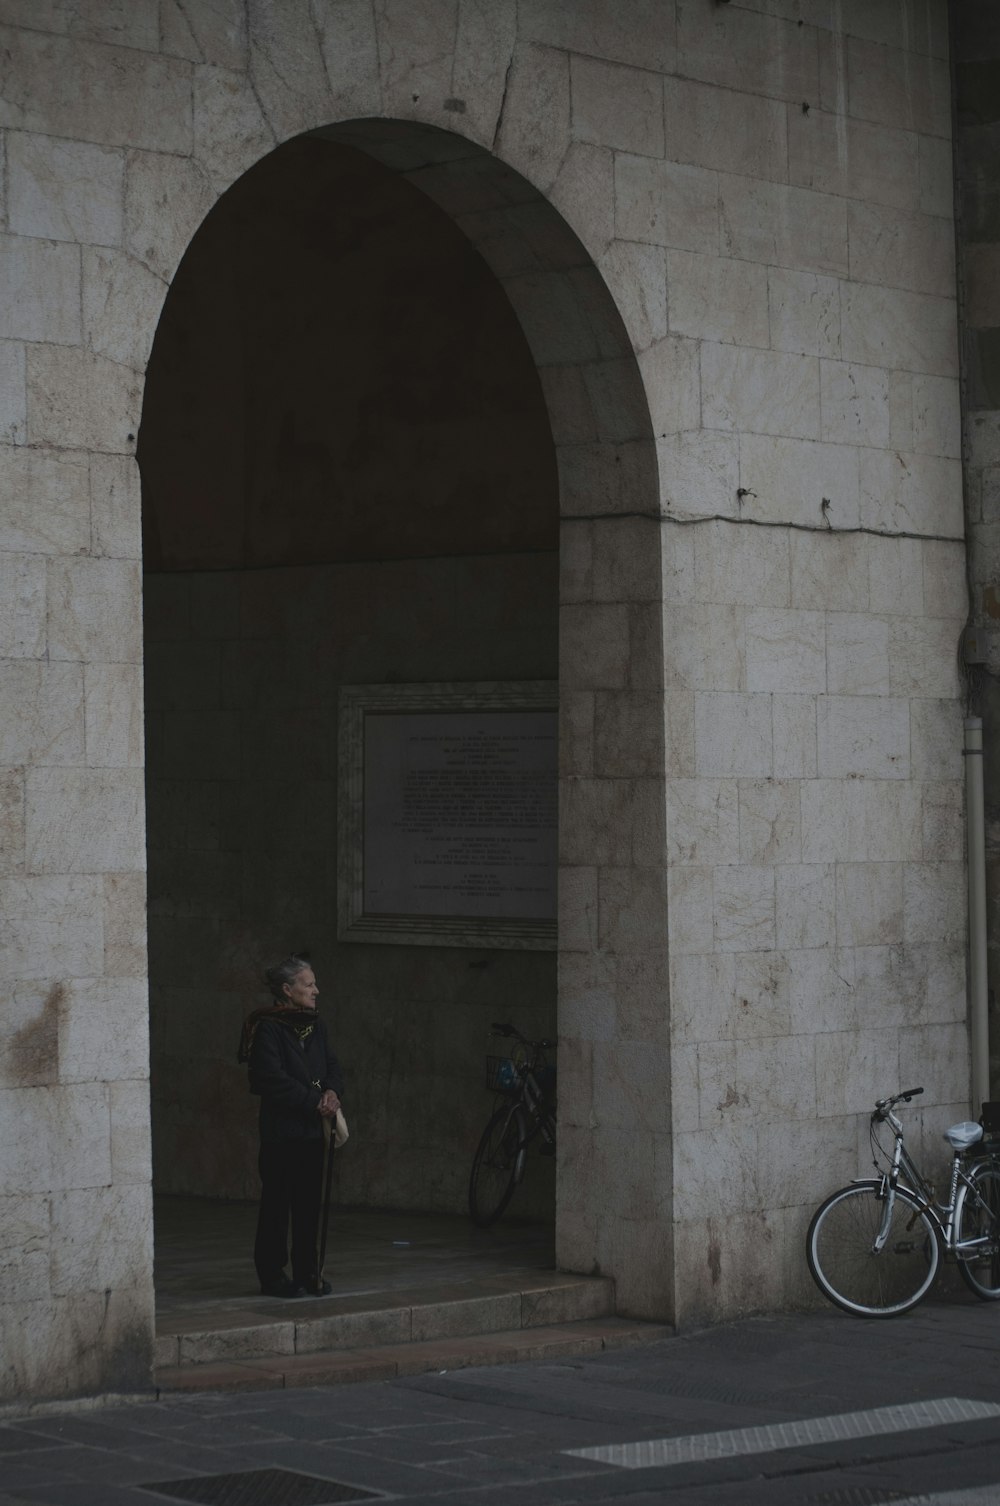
column 301, row 1021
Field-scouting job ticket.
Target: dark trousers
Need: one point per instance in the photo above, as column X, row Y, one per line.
column 291, row 1174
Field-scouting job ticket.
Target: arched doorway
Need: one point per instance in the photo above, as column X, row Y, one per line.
column 386, row 370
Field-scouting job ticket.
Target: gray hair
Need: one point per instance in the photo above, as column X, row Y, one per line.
column 284, row 972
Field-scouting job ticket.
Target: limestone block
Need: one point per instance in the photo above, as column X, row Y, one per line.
column 122, row 23
column 39, row 290
column 860, row 820
column 804, row 312
column 786, row 650
column 44, row 501
column 50, row 1346
column 22, row 606
column 923, row 655
column 699, row 473
column 670, row 374
column 703, row 821
column 690, row 911
column 945, row 588
column 863, row 735
column 893, row 327
column 637, row 278
column 935, row 739
column 570, row 412
column 115, row 510
column 773, row 223
column 81, row 401
column 937, row 191
column 934, row 903
column 166, row 199
column 64, row 190
column 748, row 566
column 703, row 647
column 805, row 906
column 231, row 132
column 632, row 911
column 547, row 306
column 594, row 647
column 613, row 401
column 724, row 129
column 576, row 733
column 855, row 1068
column 788, row 1163
column 925, row 414
column 577, row 911
column 122, row 301
column 982, row 436
column 677, row 550
column 215, row 33
column 84, row 820
column 13, row 394
column 576, row 561
column 761, row 995
column 857, row 649
column 103, row 1030
column 869, row 904
column 484, row 44
column 124, row 925
column 937, row 1057
column 702, row 992
column 130, row 1133
column 534, row 128
column 944, row 971
column 583, row 192
column 100, row 1237
column 55, row 1138
column 641, row 32
column 855, row 403
column 586, row 997
column 631, row 1085
column 716, row 1168
column 49, row 726
column 763, row 392
column 629, row 732
column 287, row 68
column 769, row 821
column 119, row 98
column 901, row 250
column 639, row 1248
column 29, row 1055
column 895, row 576
column 713, row 298
column 742, row 49
column 790, row 480
column 666, row 204
column 942, row 827
column 829, row 572
column 758, row 1080
column 678, row 709
column 744, row 908
column 684, row 1087
column 874, row 163
column 907, row 493
column 11, row 821
column 892, row 87
column 793, row 719
column 822, row 992
column 113, row 715
column 615, row 106
column 731, row 1264
column 94, row 610
column 733, row 734
column 24, row 1249
column 611, row 822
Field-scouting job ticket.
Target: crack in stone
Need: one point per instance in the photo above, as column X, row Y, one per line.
column 718, row 517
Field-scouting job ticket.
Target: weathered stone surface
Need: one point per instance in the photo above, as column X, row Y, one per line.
column 617, row 107
column 759, row 391
column 215, row 33
column 44, row 500
column 699, row 473
column 231, row 132
column 888, row 85
column 122, row 301
column 666, row 204
column 13, row 394
column 804, row 312
column 121, row 23
column 878, row 164
column 732, row 734
column 643, row 34
column 864, row 735
column 855, row 403
column 22, row 606
column 166, row 199
column 64, row 190
column 743, row 49
column 94, row 610
column 534, row 128
column 779, row 224
column 799, row 481
column 713, row 298
column 49, row 728
column 670, row 371
column 724, row 129
column 901, row 250
column 81, row 401
column 98, row 1237
column 583, row 191
column 115, row 510
column 103, row 1030
column 805, row 906
column 39, row 290
column 84, row 820
column 857, row 655
column 703, row 648
column 113, row 715
column 58, row 1137
column 893, row 327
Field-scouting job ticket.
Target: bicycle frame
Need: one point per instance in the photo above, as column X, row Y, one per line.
column 942, row 1214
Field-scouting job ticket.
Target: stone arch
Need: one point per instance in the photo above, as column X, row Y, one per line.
column 612, row 1169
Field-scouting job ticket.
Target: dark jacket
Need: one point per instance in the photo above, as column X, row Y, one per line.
column 290, row 1075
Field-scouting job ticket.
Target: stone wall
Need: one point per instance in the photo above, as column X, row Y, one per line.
column 725, row 228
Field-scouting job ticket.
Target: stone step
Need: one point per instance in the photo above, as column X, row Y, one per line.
column 547, row 1342
column 249, row 1329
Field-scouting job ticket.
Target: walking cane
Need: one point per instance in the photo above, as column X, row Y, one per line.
column 328, row 1131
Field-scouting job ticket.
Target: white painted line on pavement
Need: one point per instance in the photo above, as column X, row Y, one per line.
column 696, row 1447
column 976, row 1495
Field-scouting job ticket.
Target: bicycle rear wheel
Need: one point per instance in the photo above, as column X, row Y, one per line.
column 843, row 1261
column 977, row 1216
column 497, row 1166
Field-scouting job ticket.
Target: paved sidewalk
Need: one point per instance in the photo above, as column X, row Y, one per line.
column 489, row 1436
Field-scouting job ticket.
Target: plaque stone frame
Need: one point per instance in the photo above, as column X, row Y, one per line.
column 356, row 703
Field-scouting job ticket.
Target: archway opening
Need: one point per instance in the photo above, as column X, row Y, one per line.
column 384, row 367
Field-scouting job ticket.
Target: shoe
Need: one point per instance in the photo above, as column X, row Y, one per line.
column 316, row 1288
column 281, row 1288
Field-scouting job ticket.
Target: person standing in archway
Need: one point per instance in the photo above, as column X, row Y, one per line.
column 299, row 1082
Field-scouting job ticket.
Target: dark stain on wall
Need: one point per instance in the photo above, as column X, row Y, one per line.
column 33, row 1050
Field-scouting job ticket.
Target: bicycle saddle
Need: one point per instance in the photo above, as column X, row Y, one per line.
column 961, row 1136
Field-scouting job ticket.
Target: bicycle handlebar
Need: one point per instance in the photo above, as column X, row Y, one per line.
column 508, row 1030
column 884, row 1105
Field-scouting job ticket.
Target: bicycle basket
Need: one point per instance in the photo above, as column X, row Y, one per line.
column 501, row 1074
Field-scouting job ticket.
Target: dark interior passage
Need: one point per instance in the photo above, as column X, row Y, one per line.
column 348, row 478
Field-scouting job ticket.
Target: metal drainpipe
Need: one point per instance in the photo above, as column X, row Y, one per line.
column 976, row 838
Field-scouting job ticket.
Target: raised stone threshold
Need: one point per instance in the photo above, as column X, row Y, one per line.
column 262, row 1345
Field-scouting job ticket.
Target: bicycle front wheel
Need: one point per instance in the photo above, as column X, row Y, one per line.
column 845, row 1265
column 497, row 1166
column 977, row 1218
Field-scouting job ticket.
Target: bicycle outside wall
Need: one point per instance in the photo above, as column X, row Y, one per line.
column 524, row 1081
column 874, row 1247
